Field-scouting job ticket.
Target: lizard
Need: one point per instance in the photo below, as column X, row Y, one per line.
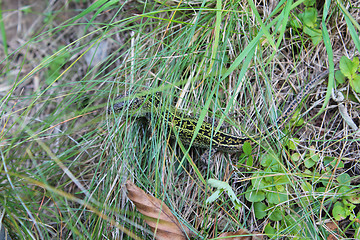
column 184, row 125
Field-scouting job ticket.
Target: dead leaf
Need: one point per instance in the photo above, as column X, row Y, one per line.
column 157, row 215
column 332, row 226
column 242, row 234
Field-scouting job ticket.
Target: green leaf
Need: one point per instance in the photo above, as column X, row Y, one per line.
column 357, row 229
column 344, row 189
column 280, row 188
column 338, row 211
column 292, row 143
column 260, row 210
column 247, row 148
column 312, row 151
column 355, row 199
column 355, row 83
column 269, row 180
column 276, row 215
column 309, row 163
column 328, row 160
column 295, row 157
column 254, row 195
column 315, row 158
column 348, row 205
column 320, row 190
column 243, row 157
column 340, row 77
column 299, row 122
column 306, row 187
column 217, row 184
column 344, row 179
column 269, row 160
column 26, row 9
column 309, row 17
column 51, row 76
column 281, row 179
column 309, row 3
column 220, row 185
column 334, row 163
column 295, row 22
column 296, row 115
column 348, row 67
column 270, row 231
column 276, row 197
column 250, row 161
column 315, row 34
column 266, row 160
column 55, row 62
column 356, row 61
column 294, row 224
column 213, row 197
column 258, row 180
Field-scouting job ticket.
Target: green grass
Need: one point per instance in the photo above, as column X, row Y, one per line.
column 64, row 159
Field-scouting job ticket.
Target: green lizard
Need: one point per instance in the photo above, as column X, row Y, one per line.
column 184, row 125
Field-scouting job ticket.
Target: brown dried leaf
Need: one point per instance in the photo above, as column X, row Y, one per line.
column 332, row 226
column 157, row 215
column 242, row 234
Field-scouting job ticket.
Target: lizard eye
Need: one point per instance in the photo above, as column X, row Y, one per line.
column 117, row 106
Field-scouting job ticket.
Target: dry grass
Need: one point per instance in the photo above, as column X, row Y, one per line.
column 65, row 160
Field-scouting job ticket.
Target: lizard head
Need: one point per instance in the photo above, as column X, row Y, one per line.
column 138, row 106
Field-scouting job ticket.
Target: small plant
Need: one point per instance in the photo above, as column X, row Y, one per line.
column 296, row 119
column 56, row 61
column 308, row 22
column 269, row 184
column 272, row 187
column 349, row 69
column 311, row 158
column 350, row 196
column 246, row 156
column 221, row 187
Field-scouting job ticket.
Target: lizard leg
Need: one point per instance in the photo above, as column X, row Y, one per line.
column 206, row 157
